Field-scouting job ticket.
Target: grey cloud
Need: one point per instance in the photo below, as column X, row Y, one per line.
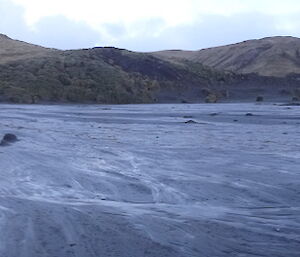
column 145, row 30
column 59, row 32
column 12, row 22
column 115, row 30
column 55, row 31
column 208, row 31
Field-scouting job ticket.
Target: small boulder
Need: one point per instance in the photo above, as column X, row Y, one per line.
column 8, row 138
column 190, row 122
column 259, row 99
column 249, row 114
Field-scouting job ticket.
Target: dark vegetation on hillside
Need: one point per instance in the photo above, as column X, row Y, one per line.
column 102, row 75
column 32, row 74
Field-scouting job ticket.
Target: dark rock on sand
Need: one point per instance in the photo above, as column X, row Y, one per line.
column 191, row 122
column 7, row 139
column 259, row 99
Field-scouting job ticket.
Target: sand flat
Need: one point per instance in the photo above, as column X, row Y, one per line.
column 137, row 180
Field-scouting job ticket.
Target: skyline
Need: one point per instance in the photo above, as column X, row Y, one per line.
column 144, row 26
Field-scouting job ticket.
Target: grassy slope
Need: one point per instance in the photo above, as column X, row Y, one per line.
column 275, row 56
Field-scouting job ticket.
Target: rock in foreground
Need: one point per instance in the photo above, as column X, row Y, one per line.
column 8, row 138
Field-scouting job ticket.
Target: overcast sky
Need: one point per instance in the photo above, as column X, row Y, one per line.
column 147, row 25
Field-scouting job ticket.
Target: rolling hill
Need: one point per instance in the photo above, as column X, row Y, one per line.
column 14, row 50
column 273, row 56
column 34, row 74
